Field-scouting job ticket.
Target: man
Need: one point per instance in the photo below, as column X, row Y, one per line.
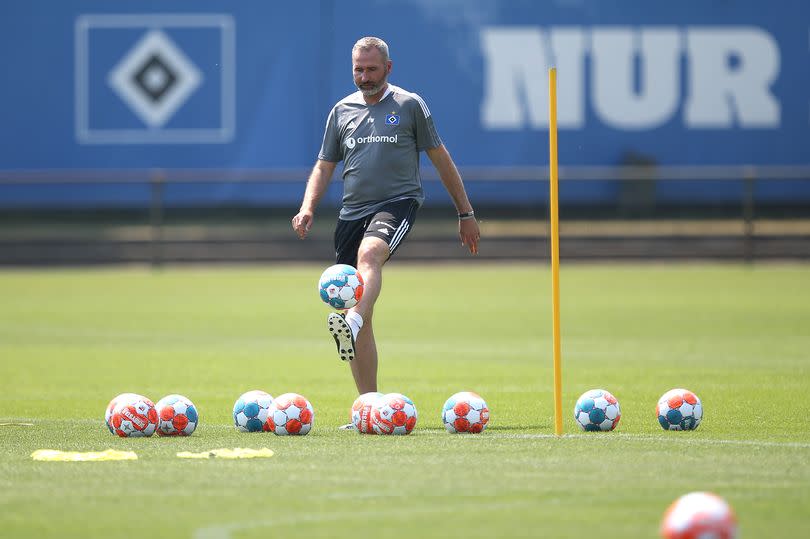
column 378, row 133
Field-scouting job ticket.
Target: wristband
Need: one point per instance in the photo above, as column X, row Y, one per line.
column 465, row 216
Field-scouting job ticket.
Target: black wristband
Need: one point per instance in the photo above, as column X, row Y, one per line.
column 467, row 215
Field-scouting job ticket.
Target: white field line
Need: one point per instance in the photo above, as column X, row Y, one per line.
column 647, row 437
column 687, row 438
column 224, row 531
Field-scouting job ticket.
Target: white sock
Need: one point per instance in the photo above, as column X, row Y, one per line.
column 355, row 322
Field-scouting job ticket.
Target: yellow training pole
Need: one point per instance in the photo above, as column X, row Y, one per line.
column 555, row 246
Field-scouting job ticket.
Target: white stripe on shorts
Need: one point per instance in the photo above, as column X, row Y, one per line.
column 398, row 235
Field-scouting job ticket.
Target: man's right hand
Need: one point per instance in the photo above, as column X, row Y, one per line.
column 301, row 223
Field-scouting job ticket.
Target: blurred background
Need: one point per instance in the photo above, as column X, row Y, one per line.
column 166, row 132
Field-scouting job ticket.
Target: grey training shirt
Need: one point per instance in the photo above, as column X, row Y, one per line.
column 379, row 145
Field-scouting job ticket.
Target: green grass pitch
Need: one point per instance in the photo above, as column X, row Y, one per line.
column 738, row 336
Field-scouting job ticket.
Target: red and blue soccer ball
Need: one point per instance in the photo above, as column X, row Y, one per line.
column 597, row 410
column 111, row 406
column 361, row 412
column 341, row 286
column 465, row 412
column 290, row 414
column 393, row 413
column 133, row 416
column 177, row 416
column 251, row 410
column 679, row 409
column 699, row 515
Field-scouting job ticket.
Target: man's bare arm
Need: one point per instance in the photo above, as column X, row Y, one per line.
column 317, row 183
column 468, row 230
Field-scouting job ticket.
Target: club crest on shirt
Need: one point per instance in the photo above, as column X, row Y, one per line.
column 392, row 119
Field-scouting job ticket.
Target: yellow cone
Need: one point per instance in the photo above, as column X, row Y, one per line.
column 54, row 455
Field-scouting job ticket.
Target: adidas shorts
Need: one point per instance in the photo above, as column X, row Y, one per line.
column 391, row 224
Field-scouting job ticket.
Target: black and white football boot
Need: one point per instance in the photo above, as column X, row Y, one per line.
column 342, row 333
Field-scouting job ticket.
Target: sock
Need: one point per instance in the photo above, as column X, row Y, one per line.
column 355, row 322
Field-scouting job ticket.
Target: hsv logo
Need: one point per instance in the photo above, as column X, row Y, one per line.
column 392, row 119
column 155, row 78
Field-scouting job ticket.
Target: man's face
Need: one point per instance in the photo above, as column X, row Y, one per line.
column 370, row 72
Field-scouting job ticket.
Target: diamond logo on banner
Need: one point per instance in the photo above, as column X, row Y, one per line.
column 155, row 78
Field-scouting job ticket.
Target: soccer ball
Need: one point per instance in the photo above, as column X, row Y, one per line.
column 679, row 409
column 699, row 515
column 134, row 416
column 341, row 286
column 393, row 413
column 465, row 412
column 111, row 406
column 177, row 416
column 597, row 410
column 250, row 411
column 361, row 411
column 290, row 414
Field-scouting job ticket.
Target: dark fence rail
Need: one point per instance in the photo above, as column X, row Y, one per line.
column 744, row 233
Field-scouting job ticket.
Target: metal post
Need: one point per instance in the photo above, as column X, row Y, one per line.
column 555, row 247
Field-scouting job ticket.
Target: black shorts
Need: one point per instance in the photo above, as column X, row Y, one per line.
column 391, row 224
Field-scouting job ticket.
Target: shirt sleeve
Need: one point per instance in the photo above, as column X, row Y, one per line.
column 330, row 147
column 427, row 137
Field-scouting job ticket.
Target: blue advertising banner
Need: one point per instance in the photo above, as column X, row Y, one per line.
column 248, row 85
